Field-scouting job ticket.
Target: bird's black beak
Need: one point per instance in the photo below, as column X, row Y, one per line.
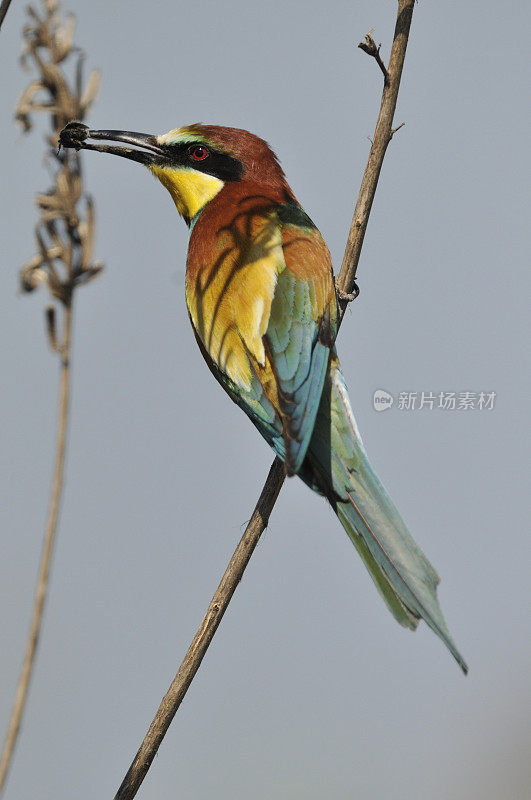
column 75, row 135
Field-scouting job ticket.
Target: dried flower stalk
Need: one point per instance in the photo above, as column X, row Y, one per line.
column 65, row 239
column 65, row 236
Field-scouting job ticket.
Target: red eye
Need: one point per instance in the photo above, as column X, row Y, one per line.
column 199, row 153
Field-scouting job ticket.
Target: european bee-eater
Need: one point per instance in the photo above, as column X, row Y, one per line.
column 262, row 301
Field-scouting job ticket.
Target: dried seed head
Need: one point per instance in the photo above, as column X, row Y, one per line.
column 65, row 232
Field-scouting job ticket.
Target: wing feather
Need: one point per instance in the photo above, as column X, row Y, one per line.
column 303, row 307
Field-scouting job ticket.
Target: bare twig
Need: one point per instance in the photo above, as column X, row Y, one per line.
column 4, row 8
column 394, row 130
column 382, row 137
column 347, row 285
column 63, row 262
column 369, row 47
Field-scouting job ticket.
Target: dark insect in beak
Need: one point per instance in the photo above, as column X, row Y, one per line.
column 75, row 135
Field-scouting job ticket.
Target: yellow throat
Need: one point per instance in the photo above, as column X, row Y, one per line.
column 189, row 188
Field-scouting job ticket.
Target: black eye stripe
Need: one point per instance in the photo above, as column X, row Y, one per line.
column 217, row 163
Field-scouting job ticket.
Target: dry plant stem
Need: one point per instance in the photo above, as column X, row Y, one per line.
column 47, row 552
column 65, row 237
column 275, row 479
column 4, row 8
column 192, row 660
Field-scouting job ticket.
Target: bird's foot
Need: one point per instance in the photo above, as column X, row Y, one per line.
column 347, row 297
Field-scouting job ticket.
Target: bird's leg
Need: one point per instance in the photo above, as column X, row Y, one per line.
column 347, row 297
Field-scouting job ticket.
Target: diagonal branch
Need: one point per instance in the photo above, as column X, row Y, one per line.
column 382, row 136
column 346, row 284
column 4, row 8
column 192, row 660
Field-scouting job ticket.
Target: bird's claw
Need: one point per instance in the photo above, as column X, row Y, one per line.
column 347, row 297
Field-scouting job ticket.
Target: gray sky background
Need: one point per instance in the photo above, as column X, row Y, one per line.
column 310, row 689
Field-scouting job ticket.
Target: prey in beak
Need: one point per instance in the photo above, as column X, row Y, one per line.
column 75, row 135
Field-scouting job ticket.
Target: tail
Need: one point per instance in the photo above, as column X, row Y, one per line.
column 337, row 466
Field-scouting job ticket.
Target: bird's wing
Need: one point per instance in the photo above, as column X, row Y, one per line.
column 301, row 329
column 264, row 312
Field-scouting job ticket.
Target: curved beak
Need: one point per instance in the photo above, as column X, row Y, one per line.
column 75, row 135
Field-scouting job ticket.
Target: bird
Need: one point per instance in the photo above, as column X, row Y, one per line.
column 262, row 301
